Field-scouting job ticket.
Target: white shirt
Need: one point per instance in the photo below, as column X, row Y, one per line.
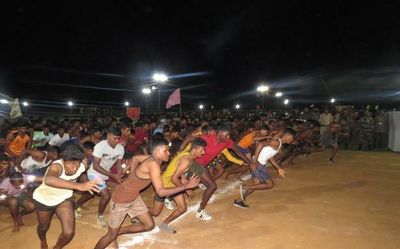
column 56, row 140
column 41, row 138
column 267, row 153
column 325, row 119
column 51, row 196
column 29, row 164
column 108, row 155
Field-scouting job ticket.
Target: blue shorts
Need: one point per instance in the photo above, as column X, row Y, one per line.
column 243, row 150
column 100, row 182
column 261, row 173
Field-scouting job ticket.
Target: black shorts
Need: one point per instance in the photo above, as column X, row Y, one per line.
column 42, row 207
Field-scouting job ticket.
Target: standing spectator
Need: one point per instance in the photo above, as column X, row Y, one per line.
column 366, row 129
column 325, row 119
column 380, row 129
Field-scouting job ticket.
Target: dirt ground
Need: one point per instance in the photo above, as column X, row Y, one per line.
column 353, row 204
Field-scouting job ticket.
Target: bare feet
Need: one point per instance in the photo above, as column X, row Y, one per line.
column 15, row 228
column 20, row 222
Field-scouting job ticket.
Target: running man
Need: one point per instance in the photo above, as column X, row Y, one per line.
column 216, row 142
column 174, row 177
column 126, row 200
column 55, row 195
column 106, row 153
column 260, row 176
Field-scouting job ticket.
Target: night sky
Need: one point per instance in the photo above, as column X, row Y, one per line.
column 217, row 52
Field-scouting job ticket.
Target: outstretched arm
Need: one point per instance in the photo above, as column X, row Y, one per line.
column 154, row 171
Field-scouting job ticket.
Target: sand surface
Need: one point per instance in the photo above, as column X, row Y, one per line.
column 353, row 204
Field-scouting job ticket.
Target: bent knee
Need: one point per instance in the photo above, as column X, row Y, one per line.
column 182, row 210
column 68, row 234
column 149, row 226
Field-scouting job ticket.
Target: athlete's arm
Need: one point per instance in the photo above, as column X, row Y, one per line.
column 182, row 166
column 188, row 139
column 281, row 172
column 231, row 158
column 154, row 172
column 101, row 170
column 52, row 179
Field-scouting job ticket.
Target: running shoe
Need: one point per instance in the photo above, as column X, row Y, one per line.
column 78, row 213
column 203, row 215
column 100, row 221
column 240, row 204
column 168, row 204
column 202, row 186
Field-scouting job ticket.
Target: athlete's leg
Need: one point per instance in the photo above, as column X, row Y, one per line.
column 157, row 207
column 28, row 207
column 105, row 196
column 220, row 170
column 12, row 204
column 211, row 187
column 44, row 220
column 180, row 208
column 65, row 213
column 146, row 224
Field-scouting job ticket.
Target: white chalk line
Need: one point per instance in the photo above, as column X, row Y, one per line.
column 150, row 237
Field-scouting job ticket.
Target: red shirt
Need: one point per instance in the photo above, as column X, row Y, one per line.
column 213, row 148
column 141, row 136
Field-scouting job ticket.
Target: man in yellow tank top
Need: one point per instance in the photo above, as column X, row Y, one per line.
column 173, row 177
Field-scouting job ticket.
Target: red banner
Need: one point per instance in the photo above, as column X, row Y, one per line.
column 133, row 112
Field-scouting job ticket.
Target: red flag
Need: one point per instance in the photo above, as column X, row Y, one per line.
column 174, row 99
column 133, row 112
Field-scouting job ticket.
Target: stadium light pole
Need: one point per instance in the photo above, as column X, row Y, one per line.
column 263, row 89
column 25, row 103
column 159, row 78
column 146, row 91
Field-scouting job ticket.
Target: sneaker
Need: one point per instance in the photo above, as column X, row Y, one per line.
column 202, row 215
column 168, row 204
column 332, row 161
column 202, row 186
column 240, row 204
column 100, row 221
column 78, row 213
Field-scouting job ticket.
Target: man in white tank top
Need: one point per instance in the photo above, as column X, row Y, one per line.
column 37, row 160
column 261, row 178
column 55, row 195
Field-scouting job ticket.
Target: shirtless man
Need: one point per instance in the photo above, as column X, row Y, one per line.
column 126, row 200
